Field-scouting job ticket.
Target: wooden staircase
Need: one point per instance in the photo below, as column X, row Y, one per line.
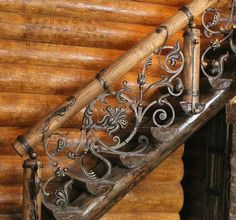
column 48, row 50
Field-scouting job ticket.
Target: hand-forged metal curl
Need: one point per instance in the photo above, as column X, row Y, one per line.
column 115, row 118
column 214, row 70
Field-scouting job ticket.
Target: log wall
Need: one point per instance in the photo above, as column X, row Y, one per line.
column 49, row 49
column 158, row 196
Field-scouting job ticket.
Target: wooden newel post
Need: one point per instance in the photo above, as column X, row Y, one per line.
column 191, row 73
column 31, row 189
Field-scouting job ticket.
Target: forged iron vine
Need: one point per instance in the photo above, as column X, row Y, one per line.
column 214, row 70
column 116, row 118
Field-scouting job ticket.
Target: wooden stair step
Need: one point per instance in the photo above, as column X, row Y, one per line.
column 93, row 186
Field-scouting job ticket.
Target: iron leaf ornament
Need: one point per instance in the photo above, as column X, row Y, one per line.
column 213, row 30
column 115, row 118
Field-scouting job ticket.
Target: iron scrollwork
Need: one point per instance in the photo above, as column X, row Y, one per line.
column 118, row 107
column 214, row 70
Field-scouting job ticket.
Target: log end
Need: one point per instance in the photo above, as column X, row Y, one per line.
column 18, row 147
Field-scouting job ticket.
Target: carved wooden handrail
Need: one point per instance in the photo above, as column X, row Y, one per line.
column 25, row 143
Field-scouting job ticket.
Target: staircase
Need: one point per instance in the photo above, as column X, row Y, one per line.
column 51, row 49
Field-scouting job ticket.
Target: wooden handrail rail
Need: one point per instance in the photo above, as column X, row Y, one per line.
column 25, row 143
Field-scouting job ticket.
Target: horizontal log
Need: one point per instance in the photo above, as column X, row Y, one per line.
column 33, row 79
column 169, row 2
column 43, row 54
column 171, row 170
column 141, row 216
column 8, row 134
column 221, row 4
column 70, row 31
column 169, row 198
column 11, row 171
column 10, row 199
column 112, row 10
column 25, row 109
column 73, row 31
column 137, row 12
column 11, row 217
column 56, row 55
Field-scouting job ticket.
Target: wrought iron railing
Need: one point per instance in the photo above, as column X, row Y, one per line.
column 111, row 136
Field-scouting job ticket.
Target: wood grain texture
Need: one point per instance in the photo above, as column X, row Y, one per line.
column 141, row 203
column 14, row 165
column 142, row 216
column 56, row 55
column 133, row 57
column 171, row 171
column 122, row 65
column 71, row 31
column 11, row 199
column 112, row 10
column 153, row 196
column 43, row 54
column 191, row 72
column 11, row 217
column 9, row 134
column 169, row 2
column 25, row 109
column 55, row 80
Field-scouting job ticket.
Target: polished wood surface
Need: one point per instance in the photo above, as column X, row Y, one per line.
column 169, row 2
column 71, row 31
column 191, row 73
column 112, row 10
column 34, row 79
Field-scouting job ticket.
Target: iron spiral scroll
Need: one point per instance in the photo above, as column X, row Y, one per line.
column 218, row 33
column 117, row 107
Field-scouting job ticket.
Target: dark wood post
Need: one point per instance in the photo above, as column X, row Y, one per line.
column 31, row 189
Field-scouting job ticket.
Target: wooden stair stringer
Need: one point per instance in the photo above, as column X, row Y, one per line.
column 95, row 207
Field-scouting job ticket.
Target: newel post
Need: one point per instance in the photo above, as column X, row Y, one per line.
column 32, row 170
